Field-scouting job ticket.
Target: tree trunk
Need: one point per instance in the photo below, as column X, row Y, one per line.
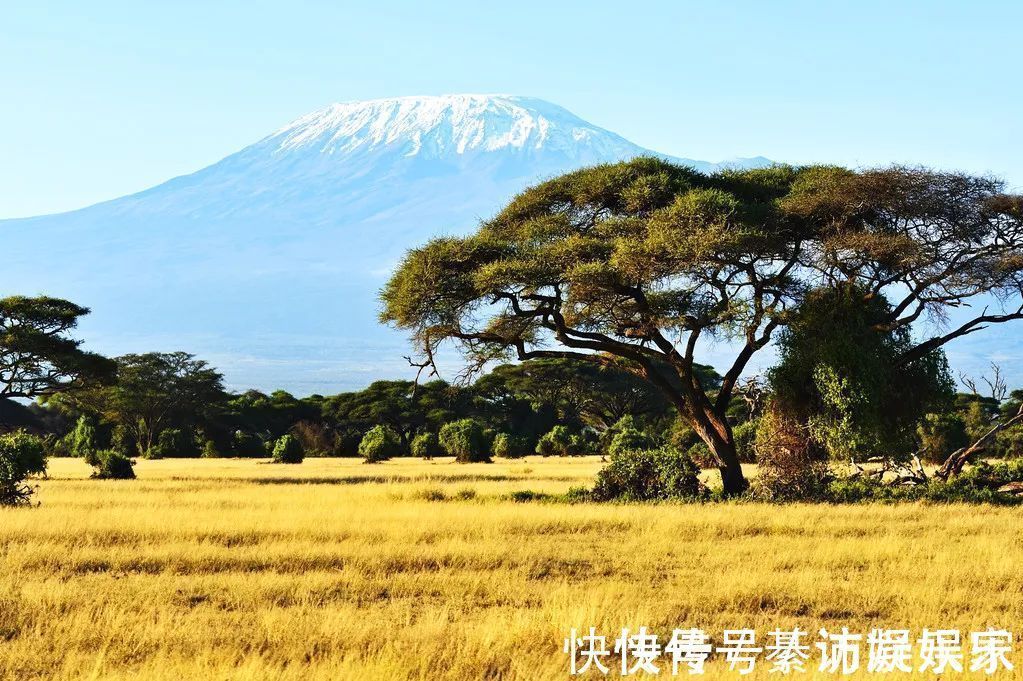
column 733, row 481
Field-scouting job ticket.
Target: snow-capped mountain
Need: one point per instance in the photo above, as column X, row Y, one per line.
column 268, row 262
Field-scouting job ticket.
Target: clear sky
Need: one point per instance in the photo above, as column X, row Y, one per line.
column 103, row 98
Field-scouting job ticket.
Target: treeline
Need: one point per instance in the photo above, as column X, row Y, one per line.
column 175, row 406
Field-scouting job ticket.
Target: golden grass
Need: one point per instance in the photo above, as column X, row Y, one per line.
column 338, row 570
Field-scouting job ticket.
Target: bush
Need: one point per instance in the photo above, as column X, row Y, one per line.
column 209, row 450
column 288, row 450
column 649, row 475
column 464, row 440
column 1009, row 442
column 247, row 445
column 315, row 439
column 379, row 444
column 978, row 484
column 557, row 442
column 426, row 446
column 21, row 456
column 174, row 443
column 628, row 439
column 745, row 436
column 510, row 446
column 940, row 435
column 112, row 465
column 702, row 456
column 791, row 466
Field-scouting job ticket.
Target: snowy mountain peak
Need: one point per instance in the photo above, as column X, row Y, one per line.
column 434, row 126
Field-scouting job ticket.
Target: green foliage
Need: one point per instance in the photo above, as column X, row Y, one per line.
column 940, row 435
column 210, row 451
column 379, row 444
column 288, row 449
column 81, row 441
column 245, row 444
column 464, row 439
column 978, row 418
column 557, row 442
column 426, row 446
column 649, row 475
column 37, row 354
column 1009, row 442
column 153, row 392
column 172, row 443
column 21, row 456
column 628, row 438
column 112, row 465
column 510, row 446
column 976, row 485
column 846, row 380
column 745, row 436
column 792, row 467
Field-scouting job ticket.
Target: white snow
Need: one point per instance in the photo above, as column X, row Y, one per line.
column 439, row 124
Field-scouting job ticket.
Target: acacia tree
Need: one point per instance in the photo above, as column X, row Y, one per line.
column 154, row 391
column 37, row 355
column 645, row 261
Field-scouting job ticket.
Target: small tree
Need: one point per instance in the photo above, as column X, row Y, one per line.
column 465, row 440
column 81, row 441
column 379, row 444
column 426, row 446
column 510, row 446
column 288, row 450
column 21, row 456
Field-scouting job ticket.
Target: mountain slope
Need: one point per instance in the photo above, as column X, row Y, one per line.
column 267, row 263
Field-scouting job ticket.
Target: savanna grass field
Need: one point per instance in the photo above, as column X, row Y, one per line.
column 412, row 569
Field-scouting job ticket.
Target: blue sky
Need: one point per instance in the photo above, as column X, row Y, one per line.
column 105, row 98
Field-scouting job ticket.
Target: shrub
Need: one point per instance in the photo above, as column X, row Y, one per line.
column 21, row 456
column 978, row 484
column 649, row 475
column 702, row 456
column 209, row 450
column 1009, row 442
column 745, row 435
column 682, row 436
column 288, row 450
column 174, row 443
column 940, row 435
column 379, row 444
column 464, row 440
column 426, row 446
column 628, row 439
column 314, row 438
column 247, row 444
column 791, row 466
column 113, row 465
column 557, row 442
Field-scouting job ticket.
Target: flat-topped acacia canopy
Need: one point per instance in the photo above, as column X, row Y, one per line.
column 642, row 261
